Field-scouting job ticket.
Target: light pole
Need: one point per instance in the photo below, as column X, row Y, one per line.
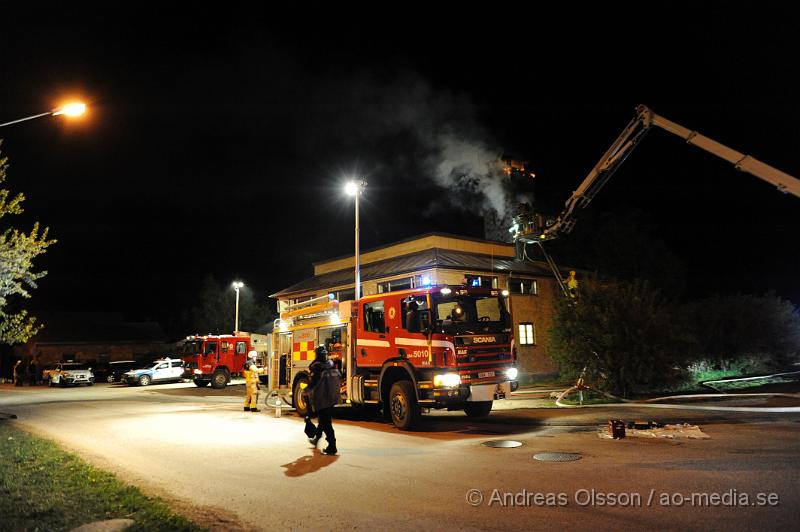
column 355, row 188
column 236, row 286
column 71, row 109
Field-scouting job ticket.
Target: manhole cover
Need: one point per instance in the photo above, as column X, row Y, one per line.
column 557, row 457
column 502, row 443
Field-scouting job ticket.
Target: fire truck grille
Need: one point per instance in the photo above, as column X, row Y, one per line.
column 482, row 363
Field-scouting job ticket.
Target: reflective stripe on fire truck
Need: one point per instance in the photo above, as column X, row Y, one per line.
column 434, row 343
column 373, row 343
column 303, row 350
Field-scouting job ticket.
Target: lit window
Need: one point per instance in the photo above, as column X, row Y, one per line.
column 527, row 334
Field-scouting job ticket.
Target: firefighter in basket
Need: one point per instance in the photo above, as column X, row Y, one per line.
column 251, row 372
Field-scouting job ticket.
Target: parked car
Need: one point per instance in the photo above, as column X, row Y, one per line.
column 162, row 370
column 113, row 371
column 68, row 373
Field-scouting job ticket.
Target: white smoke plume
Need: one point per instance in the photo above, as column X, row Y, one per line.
column 470, row 167
column 416, row 134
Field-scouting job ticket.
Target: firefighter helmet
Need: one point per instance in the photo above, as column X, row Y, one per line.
column 252, row 354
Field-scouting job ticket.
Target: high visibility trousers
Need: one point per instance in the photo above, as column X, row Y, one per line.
column 251, row 399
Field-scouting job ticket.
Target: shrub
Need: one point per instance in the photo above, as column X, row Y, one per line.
column 728, row 330
column 623, row 330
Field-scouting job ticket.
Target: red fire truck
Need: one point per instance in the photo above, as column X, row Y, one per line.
column 439, row 347
column 214, row 359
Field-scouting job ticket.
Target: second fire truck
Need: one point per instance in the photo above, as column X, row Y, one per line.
column 213, row 359
column 442, row 347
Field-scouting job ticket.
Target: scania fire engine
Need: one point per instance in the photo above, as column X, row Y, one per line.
column 439, row 347
column 214, row 359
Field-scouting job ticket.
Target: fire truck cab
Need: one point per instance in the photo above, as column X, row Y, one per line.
column 214, row 359
column 439, row 347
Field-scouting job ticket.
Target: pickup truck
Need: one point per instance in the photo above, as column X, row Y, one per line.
column 68, row 373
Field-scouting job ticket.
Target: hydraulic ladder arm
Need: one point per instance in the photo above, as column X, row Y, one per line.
column 526, row 231
column 630, row 137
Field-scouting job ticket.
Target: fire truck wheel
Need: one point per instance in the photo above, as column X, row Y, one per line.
column 478, row 408
column 144, row 380
column 403, row 405
column 299, row 400
column 220, row 379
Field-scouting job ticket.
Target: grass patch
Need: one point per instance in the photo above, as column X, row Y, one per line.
column 546, row 380
column 43, row 487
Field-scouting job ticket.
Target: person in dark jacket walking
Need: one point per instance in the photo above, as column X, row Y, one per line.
column 33, row 372
column 323, row 392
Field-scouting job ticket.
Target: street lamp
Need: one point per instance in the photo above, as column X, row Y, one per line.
column 354, row 188
column 71, row 109
column 236, row 286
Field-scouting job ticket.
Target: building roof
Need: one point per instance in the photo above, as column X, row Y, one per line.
column 413, row 262
column 416, row 238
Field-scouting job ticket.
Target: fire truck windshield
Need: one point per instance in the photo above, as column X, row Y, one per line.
column 192, row 348
column 463, row 313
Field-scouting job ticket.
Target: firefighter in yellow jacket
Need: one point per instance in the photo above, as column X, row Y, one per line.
column 251, row 372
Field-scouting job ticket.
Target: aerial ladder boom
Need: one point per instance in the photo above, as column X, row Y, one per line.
column 781, row 180
column 526, row 231
column 622, row 147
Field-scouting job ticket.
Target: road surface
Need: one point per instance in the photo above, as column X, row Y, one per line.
column 254, row 471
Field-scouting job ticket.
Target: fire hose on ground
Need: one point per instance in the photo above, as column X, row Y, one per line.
column 276, row 400
column 651, row 403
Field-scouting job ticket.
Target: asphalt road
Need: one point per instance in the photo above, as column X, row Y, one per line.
column 255, row 471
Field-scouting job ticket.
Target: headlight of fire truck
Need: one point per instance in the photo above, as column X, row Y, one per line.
column 511, row 373
column 447, row 380
column 198, row 371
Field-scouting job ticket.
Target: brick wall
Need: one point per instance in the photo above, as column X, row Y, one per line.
column 50, row 353
column 539, row 310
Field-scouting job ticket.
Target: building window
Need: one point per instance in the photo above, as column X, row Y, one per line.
column 300, row 300
column 484, row 281
column 373, row 317
column 527, row 334
column 405, row 283
column 348, row 294
column 523, row 286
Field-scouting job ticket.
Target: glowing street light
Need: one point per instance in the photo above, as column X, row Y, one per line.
column 236, row 286
column 355, row 188
column 70, row 109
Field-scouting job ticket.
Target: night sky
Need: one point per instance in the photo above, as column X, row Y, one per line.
column 217, row 141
